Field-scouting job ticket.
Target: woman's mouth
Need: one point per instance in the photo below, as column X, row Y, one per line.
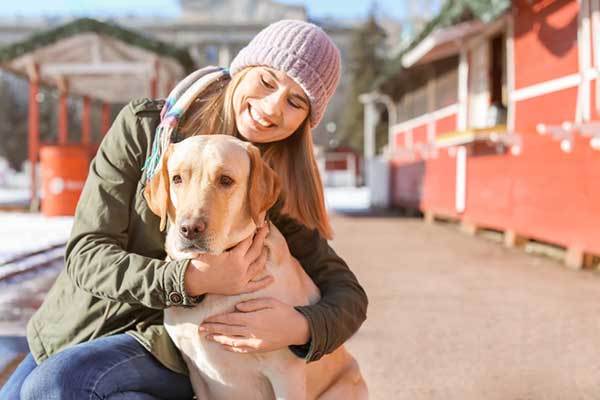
column 258, row 118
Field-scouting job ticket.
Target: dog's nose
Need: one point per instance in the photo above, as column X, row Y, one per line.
column 191, row 229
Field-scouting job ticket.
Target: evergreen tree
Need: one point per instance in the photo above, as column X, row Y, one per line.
column 365, row 63
column 13, row 119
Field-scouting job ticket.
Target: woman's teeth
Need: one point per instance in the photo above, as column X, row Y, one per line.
column 258, row 119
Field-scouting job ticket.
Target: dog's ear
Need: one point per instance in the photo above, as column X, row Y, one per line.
column 157, row 190
column 263, row 186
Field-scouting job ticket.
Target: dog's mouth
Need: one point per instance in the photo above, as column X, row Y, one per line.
column 203, row 245
column 193, row 249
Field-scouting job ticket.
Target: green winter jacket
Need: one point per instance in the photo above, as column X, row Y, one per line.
column 115, row 278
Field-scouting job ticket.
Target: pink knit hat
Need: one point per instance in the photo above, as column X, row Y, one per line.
column 304, row 52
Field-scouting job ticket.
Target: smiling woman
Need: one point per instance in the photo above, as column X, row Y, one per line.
column 268, row 105
column 100, row 330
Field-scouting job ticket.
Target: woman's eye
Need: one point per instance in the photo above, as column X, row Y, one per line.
column 265, row 83
column 176, row 179
column 294, row 104
column 225, row 180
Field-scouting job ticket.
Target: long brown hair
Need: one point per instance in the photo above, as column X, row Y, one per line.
column 292, row 158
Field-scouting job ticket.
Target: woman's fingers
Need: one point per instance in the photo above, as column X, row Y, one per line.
column 239, row 349
column 242, row 247
column 258, row 265
column 236, row 342
column 223, row 329
column 256, row 304
column 257, row 244
column 255, row 285
column 233, row 318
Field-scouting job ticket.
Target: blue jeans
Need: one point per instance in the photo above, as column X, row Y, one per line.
column 113, row 368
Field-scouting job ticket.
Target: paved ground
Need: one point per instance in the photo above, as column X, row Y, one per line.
column 457, row 317
column 452, row 316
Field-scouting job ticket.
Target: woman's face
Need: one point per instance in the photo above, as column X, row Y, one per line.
column 268, row 105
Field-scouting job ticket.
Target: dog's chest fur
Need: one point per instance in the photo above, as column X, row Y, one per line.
column 225, row 375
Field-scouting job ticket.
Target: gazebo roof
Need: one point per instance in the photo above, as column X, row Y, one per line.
column 97, row 59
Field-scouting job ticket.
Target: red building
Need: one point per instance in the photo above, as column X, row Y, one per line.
column 499, row 112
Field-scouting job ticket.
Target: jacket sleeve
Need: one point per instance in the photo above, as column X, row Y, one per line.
column 96, row 257
column 343, row 305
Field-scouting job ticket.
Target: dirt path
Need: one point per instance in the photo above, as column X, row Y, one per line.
column 457, row 317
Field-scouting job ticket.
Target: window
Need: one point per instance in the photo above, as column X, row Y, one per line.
column 487, row 83
column 498, row 71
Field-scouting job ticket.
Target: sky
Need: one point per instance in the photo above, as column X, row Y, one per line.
column 316, row 8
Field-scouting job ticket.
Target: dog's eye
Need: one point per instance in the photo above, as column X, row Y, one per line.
column 176, row 179
column 225, row 180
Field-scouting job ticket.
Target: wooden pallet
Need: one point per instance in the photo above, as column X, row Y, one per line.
column 576, row 258
column 431, row 217
column 573, row 257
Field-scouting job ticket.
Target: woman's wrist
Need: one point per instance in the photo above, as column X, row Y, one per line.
column 192, row 279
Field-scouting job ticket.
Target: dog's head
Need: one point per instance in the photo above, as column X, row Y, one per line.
column 214, row 190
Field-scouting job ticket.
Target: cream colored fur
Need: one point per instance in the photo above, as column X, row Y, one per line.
column 231, row 214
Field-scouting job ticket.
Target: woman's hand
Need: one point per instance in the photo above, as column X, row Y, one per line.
column 233, row 272
column 258, row 325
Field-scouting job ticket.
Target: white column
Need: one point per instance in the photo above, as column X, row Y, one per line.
column 596, row 46
column 224, row 55
column 463, row 90
column 370, row 123
column 583, row 43
column 461, row 179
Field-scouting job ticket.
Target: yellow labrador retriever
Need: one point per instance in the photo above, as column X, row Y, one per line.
column 215, row 190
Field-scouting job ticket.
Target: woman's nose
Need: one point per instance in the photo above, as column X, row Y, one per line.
column 273, row 104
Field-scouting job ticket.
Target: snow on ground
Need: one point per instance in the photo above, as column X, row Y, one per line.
column 347, row 199
column 22, row 232
column 14, row 196
column 27, row 232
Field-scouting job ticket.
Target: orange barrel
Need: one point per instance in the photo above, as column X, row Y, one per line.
column 64, row 170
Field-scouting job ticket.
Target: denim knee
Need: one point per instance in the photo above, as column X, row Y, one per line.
column 102, row 368
column 58, row 378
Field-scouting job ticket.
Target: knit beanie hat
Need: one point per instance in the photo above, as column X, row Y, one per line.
column 304, row 52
